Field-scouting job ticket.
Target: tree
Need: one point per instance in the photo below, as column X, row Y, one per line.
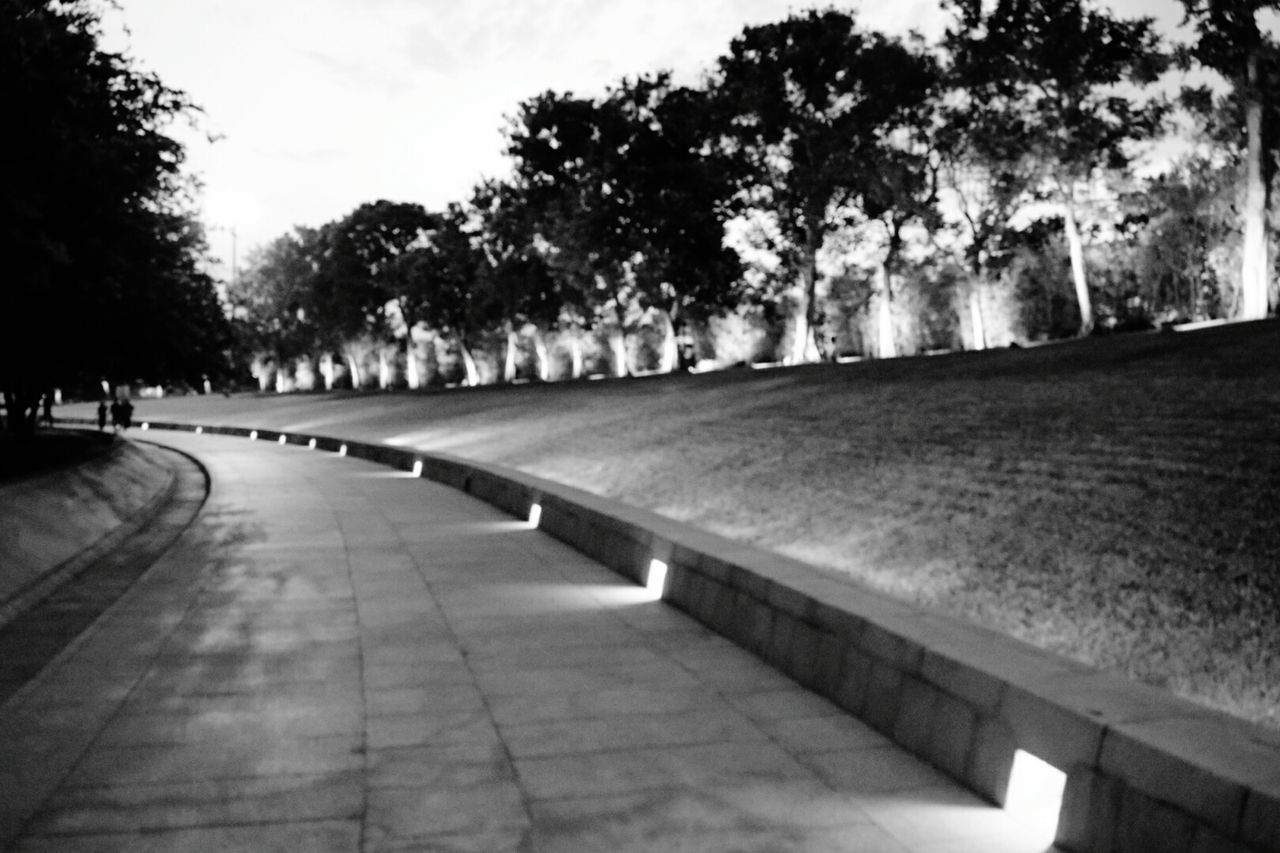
column 629, row 202
column 1232, row 43
column 272, row 297
column 98, row 246
column 811, row 105
column 1048, row 71
column 516, row 276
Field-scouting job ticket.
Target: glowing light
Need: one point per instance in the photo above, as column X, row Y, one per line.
column 342, row 451
column 284, row 439
column 417, row 467
column 253, row 435
column 311, row 444
column 535, row 516
column 657, row 580
column 1035, row 797
column 199, row 430
column 146, row 425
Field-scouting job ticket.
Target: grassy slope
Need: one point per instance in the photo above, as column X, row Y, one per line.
column 1116, row 500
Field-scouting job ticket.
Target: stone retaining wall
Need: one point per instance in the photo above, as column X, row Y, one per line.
column 56, row 523
column 1146, row 771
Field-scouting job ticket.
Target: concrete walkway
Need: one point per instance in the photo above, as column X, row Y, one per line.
column 339, row 657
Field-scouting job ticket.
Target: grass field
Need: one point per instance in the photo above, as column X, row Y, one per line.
column 1116, row 500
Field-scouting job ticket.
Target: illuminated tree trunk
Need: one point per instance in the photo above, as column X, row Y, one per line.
column 804, row 349
column 884, row 314
column 356, row 379
column 469, row 365
column 575, row 356
column 618, row 346
column 413, row 377
column 975, row 318
column 1076, row 248
column 1253, row 273
column 509, row 363
column 669, row 357
column 384, row 370
column 540, row 355
column 327, row 370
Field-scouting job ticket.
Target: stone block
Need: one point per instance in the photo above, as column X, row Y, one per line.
column 781, row 628
column 990, row 759
column 972, row 684
column 855, row 681
column 1211, row 841
column 1148, row 824
column 1090, row 809
column 1045, row 727
column 1195, row 764
column 828, row 662
column 1260, row 824
column 914, row 717
column 752, row 623
column 801, row 653
column 897, row 651
column 884, row 690
column 952, row 731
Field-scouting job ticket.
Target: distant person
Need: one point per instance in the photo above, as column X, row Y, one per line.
column 47, row 417
column 115, row 414
column 126, row 413
column 102, row 415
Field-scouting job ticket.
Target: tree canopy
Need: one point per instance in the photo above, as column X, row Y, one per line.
column 101, row 252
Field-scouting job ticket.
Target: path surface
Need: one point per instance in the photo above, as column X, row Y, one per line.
column 338, row 657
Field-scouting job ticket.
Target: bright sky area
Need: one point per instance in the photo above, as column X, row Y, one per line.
column 321, row 105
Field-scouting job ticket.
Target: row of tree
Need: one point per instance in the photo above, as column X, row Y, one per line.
column 819, row 174
column 103, row 262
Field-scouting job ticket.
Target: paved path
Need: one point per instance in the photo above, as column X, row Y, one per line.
column 338, row 657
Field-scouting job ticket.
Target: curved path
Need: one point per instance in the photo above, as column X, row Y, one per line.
column 339, row 657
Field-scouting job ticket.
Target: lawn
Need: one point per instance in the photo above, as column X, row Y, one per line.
column 1114, row 499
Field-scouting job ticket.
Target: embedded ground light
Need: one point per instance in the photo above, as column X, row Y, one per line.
column 1035, row 797
column 657, row 579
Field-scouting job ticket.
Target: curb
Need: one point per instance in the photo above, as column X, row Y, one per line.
column 1145, row 770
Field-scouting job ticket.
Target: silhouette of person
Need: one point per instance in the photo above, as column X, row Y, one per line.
column 47, row 416
column 116, row 414
column 126, row 413
column 102, row 415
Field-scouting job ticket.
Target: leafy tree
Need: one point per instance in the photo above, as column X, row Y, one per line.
column 444, row 273
column 810, row 104
column 272, row 297
column 1231, row 42
column 516, row 277
column 629, row 201
column 357, row 292
column 1047, row 72
column 98, row 247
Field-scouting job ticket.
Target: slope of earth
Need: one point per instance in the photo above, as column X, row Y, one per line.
column 1116, row 499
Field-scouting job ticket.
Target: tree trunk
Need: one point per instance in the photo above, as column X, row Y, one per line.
column 326, row 370
column 356, row 380
column 975, row 316
column 540, row 355
column 618, row 346
column 1076, row 248
column 384, row 370
column 509, row 363
column 1253, row 272
column 575, row 355
column 804, row 348
column 887, row 347
column 412, row 376
column 469, row 364
column 670, row 357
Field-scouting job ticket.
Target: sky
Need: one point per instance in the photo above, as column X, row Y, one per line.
column 318, row 106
